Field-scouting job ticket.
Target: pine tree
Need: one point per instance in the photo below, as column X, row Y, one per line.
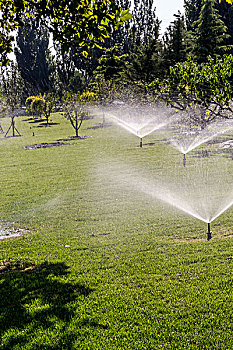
column 112, row 64
column 193, row 10
column 210, row 33
column 144, row 43
column 192, row 13
column 174, row 42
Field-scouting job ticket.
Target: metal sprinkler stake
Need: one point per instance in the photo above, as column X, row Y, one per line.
column 209, row 232
column 141, row 142
column 184, row 160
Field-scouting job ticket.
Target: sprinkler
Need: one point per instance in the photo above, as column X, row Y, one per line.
column 141, row 142
column 184, row 160
column 209, row 232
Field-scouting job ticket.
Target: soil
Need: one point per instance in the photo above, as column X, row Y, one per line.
column 55, row 144
column 45, row 145
column 9, row 265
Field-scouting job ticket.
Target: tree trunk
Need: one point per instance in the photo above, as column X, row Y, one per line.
column 76, row 123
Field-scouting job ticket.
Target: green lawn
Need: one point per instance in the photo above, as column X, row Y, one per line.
column 115, row 268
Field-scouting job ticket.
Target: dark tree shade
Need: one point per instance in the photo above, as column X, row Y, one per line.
column 32, row 57
column 210, row 33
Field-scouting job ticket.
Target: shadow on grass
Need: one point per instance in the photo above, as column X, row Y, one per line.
column 32, row 120
column 45, row 124
column 37, row 302
column 99, row 126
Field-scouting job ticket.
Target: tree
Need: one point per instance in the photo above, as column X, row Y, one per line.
column 121, row 35
column 35, row 105
column 192, row 13
column 112, row 64
column 210, row 33
column 32, row 57
column 12, row 89
column 174, row 43
column 73, row 23
column 51, row 101
column 205, row 89
column 144, row 44
column 73, row 69
column 73, row 106
column 42, row 105
column 3, row 109
column 105, row 92
column 226, row 13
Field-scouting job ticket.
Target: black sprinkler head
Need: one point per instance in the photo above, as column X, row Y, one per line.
column 184, row 160
column 209, row 232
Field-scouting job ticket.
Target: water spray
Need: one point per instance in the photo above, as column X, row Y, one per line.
column 209, row 232
column 141, row 142
column 184, row 160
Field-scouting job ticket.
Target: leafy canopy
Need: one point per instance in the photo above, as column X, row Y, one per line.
column 207, row 86
column 80, row 23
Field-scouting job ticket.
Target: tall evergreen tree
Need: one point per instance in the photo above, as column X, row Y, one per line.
column 68, row 76
column 112, row 65
column 144, row 43
column 210, row 33
column 174, row 42
column 32, row 57
column 193, row 10
column 226, row 12
column 121, row 35
column 192, row 13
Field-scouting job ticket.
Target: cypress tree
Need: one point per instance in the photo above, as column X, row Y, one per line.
column 32, row 58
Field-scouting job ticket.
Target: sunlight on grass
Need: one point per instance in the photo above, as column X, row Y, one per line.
column 115, row 268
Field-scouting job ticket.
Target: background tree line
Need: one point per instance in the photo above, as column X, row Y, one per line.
column 133, row 55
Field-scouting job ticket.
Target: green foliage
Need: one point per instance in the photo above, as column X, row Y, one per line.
column 105, row 90
column 12, row 87
column 38, row 105
column 74, row 110
column 83, row 23
column 35, row 105
column 51, row 100
column 112, row 64
column 28, row 103
column 144, row 45
column 210, row 33
column 208, row 86
column 42, row 105
column 174, row 48
column 33, row 58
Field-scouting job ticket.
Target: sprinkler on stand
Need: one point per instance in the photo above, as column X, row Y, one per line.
column 184, row 160
column 141, row 142
column 209, row 232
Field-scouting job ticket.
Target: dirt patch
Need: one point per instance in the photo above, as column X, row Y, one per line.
column 73, row 138
column 10, row 232
column 45, row 145
column 9, row 265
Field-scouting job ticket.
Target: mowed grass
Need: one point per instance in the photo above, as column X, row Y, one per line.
column 115, row 268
